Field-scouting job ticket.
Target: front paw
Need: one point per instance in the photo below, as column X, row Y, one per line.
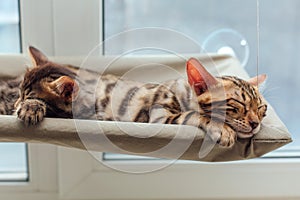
column 223, row 134
column 31, row 111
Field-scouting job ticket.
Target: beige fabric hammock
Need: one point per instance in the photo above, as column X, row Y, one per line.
column 155, row 140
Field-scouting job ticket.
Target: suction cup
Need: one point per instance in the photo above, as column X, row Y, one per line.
column 227, row 41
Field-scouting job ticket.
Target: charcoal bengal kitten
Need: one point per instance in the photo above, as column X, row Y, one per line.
column 54, row 90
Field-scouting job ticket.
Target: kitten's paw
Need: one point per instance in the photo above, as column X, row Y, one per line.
column 228, row 136
column 222, row 133
column 31, row 111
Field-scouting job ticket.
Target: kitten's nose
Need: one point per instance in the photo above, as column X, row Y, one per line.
column 253, row 125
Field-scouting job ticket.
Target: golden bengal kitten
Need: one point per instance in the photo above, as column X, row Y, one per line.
column 224, row 107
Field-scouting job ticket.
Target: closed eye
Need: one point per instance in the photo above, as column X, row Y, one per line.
column 233, row 109
column 49, row 79
column 262, row 106
column 262, row 109
column 237, row 105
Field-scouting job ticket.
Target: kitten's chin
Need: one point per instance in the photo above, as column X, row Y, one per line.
column 244, row 135
column 250, row 134
column 256, row 130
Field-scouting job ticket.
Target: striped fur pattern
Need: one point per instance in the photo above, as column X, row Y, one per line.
column 53, row 90
column 9, row 93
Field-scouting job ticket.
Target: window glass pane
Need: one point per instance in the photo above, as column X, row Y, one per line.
column 228, row 26
column 13, row 158
column 13, row 162
column 9, row 26
column 279, row 47
column 211, row 24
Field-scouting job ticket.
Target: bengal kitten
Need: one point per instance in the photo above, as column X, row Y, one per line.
column 54, row 90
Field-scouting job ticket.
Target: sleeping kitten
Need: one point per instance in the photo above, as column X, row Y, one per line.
column 54, row 90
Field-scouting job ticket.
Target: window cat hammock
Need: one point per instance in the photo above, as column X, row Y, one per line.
column 156, row 140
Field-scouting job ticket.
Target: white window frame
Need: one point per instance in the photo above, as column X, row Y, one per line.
column 61, row 173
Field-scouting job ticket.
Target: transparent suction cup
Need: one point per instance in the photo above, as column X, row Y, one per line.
column 227, row 41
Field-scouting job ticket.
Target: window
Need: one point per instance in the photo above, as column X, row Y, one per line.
column 13, row 157
column 9, row 26
column 226, row 27
column 59, row 173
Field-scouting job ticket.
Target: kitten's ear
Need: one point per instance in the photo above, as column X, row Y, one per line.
column 257, row 80
column 66, row 87
column 37, row 57
column 199, row 78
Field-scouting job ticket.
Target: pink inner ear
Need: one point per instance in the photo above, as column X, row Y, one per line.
column 257, row 80
column 67, row 88
column 198, row 77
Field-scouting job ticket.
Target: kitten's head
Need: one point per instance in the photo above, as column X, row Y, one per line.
column 230, row 99
column 52, row 83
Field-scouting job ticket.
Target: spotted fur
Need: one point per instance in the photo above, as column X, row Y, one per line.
column 224, row 107
column 9, row 93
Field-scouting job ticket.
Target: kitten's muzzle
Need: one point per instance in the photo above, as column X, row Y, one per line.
column 254, row 125
column 251, row 133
